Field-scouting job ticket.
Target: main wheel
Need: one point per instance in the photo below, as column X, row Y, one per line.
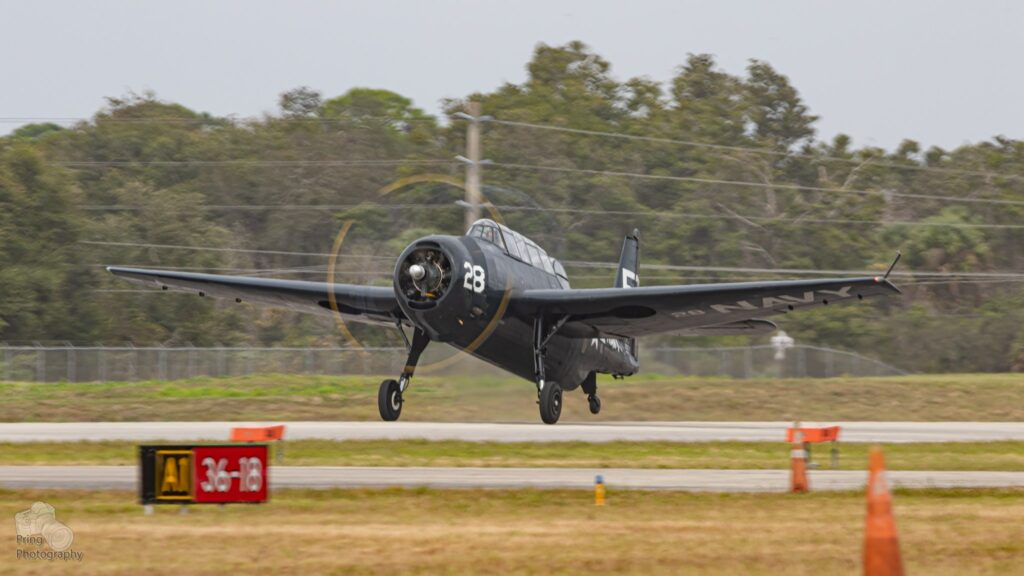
column 550, row 402
column 389, row 400
column 595, row 403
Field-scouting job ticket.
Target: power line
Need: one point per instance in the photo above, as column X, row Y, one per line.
column 548, row 127
column 514, row 208
column 766, row 219
column 243, row 162
column 207, row 120
column 316, row 269
column 949, row 282
column 216, row 249
column 261, row 207
column 767, row 151
column 594, row 264
column 797, row 271
column 791, row 187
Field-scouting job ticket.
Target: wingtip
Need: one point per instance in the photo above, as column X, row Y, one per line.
column 899, row 254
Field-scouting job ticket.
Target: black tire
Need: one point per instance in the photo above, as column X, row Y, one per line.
column 389, row 400
column 595, row 403
column 550, row 402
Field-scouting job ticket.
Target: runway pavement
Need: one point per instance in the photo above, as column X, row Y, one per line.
column 125, row 477
column 889, row 432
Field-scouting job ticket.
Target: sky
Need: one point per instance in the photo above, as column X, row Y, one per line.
column 942, row 73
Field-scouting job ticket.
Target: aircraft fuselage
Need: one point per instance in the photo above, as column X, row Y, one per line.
column 471, row 316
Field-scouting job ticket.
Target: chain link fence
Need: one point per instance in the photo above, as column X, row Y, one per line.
column 128, row 363
column 799, row 361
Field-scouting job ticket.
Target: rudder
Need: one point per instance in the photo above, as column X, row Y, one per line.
column 628, row 275
column 629, row 262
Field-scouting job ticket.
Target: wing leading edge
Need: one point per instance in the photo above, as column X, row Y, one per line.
column 366, row 304
column 711, row 309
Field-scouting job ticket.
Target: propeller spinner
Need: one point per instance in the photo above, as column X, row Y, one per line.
column 425, row 275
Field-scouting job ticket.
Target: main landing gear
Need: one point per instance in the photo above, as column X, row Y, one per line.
column 389, row 397
column 549, row 394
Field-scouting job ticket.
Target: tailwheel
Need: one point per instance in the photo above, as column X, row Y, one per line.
column 550, row 402
column 389, row 400
column 595, row 403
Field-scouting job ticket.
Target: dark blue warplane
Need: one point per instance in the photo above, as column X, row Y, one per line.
column 497, row 295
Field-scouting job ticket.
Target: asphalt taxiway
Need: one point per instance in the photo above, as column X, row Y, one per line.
column 125, row 478
column 887, row 432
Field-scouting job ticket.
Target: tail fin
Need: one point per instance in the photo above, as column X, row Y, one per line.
column 629, row 262
column 629, row 274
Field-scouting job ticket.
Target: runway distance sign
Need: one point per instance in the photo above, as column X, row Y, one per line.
column 231, row 473
column 203, row 474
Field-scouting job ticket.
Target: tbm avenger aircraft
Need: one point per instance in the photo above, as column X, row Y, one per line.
column 497, row 295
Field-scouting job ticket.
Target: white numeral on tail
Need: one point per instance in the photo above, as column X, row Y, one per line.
column 474, row 280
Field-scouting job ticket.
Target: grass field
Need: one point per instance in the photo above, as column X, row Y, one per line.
column 984, row 397
column 526, row 531
column 1007, row 456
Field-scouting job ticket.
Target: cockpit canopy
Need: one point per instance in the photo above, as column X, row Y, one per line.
column 519, row 247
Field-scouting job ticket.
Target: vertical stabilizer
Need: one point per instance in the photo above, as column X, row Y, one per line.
column 629, row 274
column 629, row 262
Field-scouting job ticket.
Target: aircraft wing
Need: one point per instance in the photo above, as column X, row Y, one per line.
column 695, row 309
column 366, row 304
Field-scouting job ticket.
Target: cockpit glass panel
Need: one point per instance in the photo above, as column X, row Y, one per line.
column 487, row 230
column 534, row 255
column 563, row 278
column 516, row 245
column 521, row 245
column 560, row 270
column 497, row 239
column 510, row 243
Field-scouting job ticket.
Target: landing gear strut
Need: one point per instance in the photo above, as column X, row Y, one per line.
column 549, row 394
column 389, row 396
column 589, row 386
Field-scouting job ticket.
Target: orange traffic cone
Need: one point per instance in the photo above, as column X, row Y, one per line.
column 881, row 544
column 798, row 463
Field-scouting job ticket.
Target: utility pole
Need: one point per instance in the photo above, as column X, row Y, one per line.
column 474, row 198
column 473, row 166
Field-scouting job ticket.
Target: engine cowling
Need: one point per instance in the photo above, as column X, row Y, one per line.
column 424, row 276
column 427, row 284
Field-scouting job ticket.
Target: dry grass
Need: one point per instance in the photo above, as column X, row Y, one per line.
column 1008, row 456
column 527, row 531
column 987, row 397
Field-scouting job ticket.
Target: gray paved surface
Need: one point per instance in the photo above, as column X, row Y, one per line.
column 526, row 432
column 124, row 478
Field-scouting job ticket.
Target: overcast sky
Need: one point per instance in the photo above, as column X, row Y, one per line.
column 943, row 73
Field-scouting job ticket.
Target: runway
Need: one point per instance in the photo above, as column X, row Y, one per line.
column 888, row 432
column 125, row 477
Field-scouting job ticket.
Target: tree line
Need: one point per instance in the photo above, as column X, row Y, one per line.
column 722, row 173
